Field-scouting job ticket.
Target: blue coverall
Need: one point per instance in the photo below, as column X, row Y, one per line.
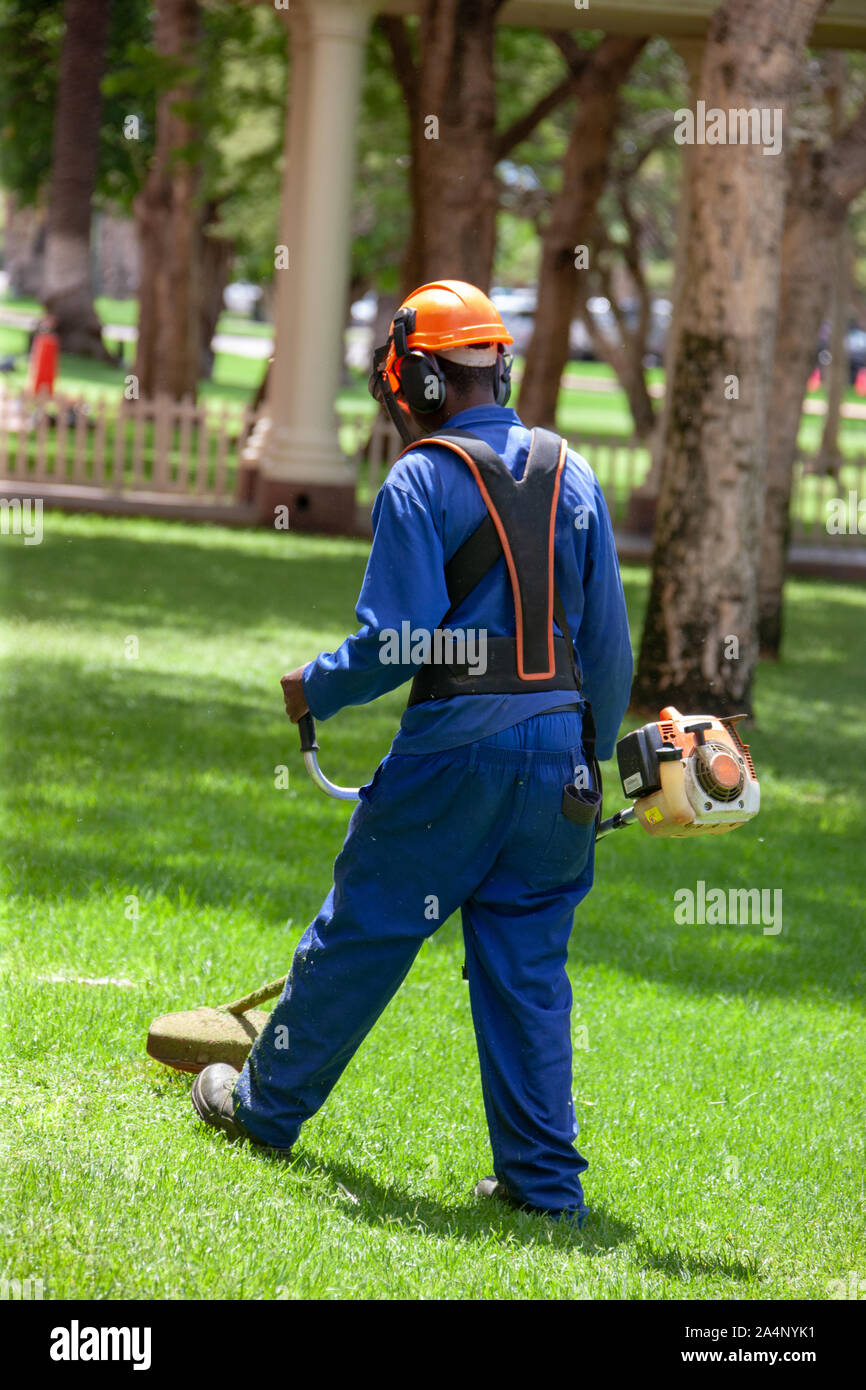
column 464, row 809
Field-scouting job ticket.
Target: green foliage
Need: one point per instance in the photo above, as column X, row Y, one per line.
column 528, row 66
column 243, row 79
column 645, row 157
column 381, row 209
column 31, row 36
column 532, row 175
column 240, row 84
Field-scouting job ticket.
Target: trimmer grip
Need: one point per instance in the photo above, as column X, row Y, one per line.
column 309, row 749
column 307, row 731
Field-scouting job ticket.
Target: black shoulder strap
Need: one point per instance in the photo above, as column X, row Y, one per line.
column 469, row 564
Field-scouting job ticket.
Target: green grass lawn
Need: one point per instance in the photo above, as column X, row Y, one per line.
column 719, row 1079
column 125, row 311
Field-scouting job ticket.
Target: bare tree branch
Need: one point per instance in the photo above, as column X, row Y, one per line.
column 846, row 174
column 656, row 134
column 576, row 57
column 523, row 127
column 395, row 31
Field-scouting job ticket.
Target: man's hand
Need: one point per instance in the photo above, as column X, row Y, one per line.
column 293, row 693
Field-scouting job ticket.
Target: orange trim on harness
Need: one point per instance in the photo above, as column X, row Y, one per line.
column 506, row 550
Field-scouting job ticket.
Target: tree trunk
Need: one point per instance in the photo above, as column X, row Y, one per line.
column 216, row 257
column 829, row 459
column 453, row 146
column 642, row 503
column 170, row 219
column 584, row 172
column 700, row 639
column 633, row 382
column 67, row 289
column 821, row 185
column 633, row 378
column 452, row 186
column 802, row 304
column 626, row 357
column 24, row 248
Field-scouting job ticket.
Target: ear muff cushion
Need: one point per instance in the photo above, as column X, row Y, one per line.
column 503, row 379
column 422, row 384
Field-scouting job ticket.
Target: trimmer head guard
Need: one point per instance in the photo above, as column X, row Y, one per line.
column 191, row 1040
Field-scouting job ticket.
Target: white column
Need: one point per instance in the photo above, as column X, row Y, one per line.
column 297, row 442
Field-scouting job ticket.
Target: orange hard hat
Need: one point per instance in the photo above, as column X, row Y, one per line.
column 441, row 316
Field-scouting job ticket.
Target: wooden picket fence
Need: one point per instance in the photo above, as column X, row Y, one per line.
column 154, row 448
column 818, row 498
column 621, row 464
column 146, row 449
column 161, row 446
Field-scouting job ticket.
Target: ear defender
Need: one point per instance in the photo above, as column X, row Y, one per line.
column 423, row 386
column 502, row 389
column 422, row 383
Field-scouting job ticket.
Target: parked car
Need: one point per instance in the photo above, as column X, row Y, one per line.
column 855, row 349
column 516, row 302
column 241, row 297
column 520, row 326
column 580, row 342
column 517, row 308
column 364, row 309
column 659, row 326
column 855, row 342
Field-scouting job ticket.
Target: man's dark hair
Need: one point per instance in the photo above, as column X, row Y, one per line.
column 464, row 379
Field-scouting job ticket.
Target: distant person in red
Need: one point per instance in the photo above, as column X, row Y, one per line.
column 44, row 356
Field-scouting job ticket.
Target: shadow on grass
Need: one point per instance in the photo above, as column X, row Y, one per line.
column 149, row 781
column 675, row 1265
column 152, row 786
column 145, row 582
column 475, row 1219
column 159, row 786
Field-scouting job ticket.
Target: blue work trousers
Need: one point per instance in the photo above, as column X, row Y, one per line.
column 479, row 828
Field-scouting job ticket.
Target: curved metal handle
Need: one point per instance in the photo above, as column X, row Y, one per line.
column 309, row 748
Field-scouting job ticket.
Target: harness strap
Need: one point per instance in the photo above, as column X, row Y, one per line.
column 518, row 510
column 469, row 564
column 438, row 681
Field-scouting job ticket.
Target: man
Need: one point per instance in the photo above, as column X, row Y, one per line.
column 468, row 809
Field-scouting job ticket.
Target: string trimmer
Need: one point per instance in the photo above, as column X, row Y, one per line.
column 688, row 775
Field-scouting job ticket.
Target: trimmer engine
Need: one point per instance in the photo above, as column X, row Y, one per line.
column 690, row 774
